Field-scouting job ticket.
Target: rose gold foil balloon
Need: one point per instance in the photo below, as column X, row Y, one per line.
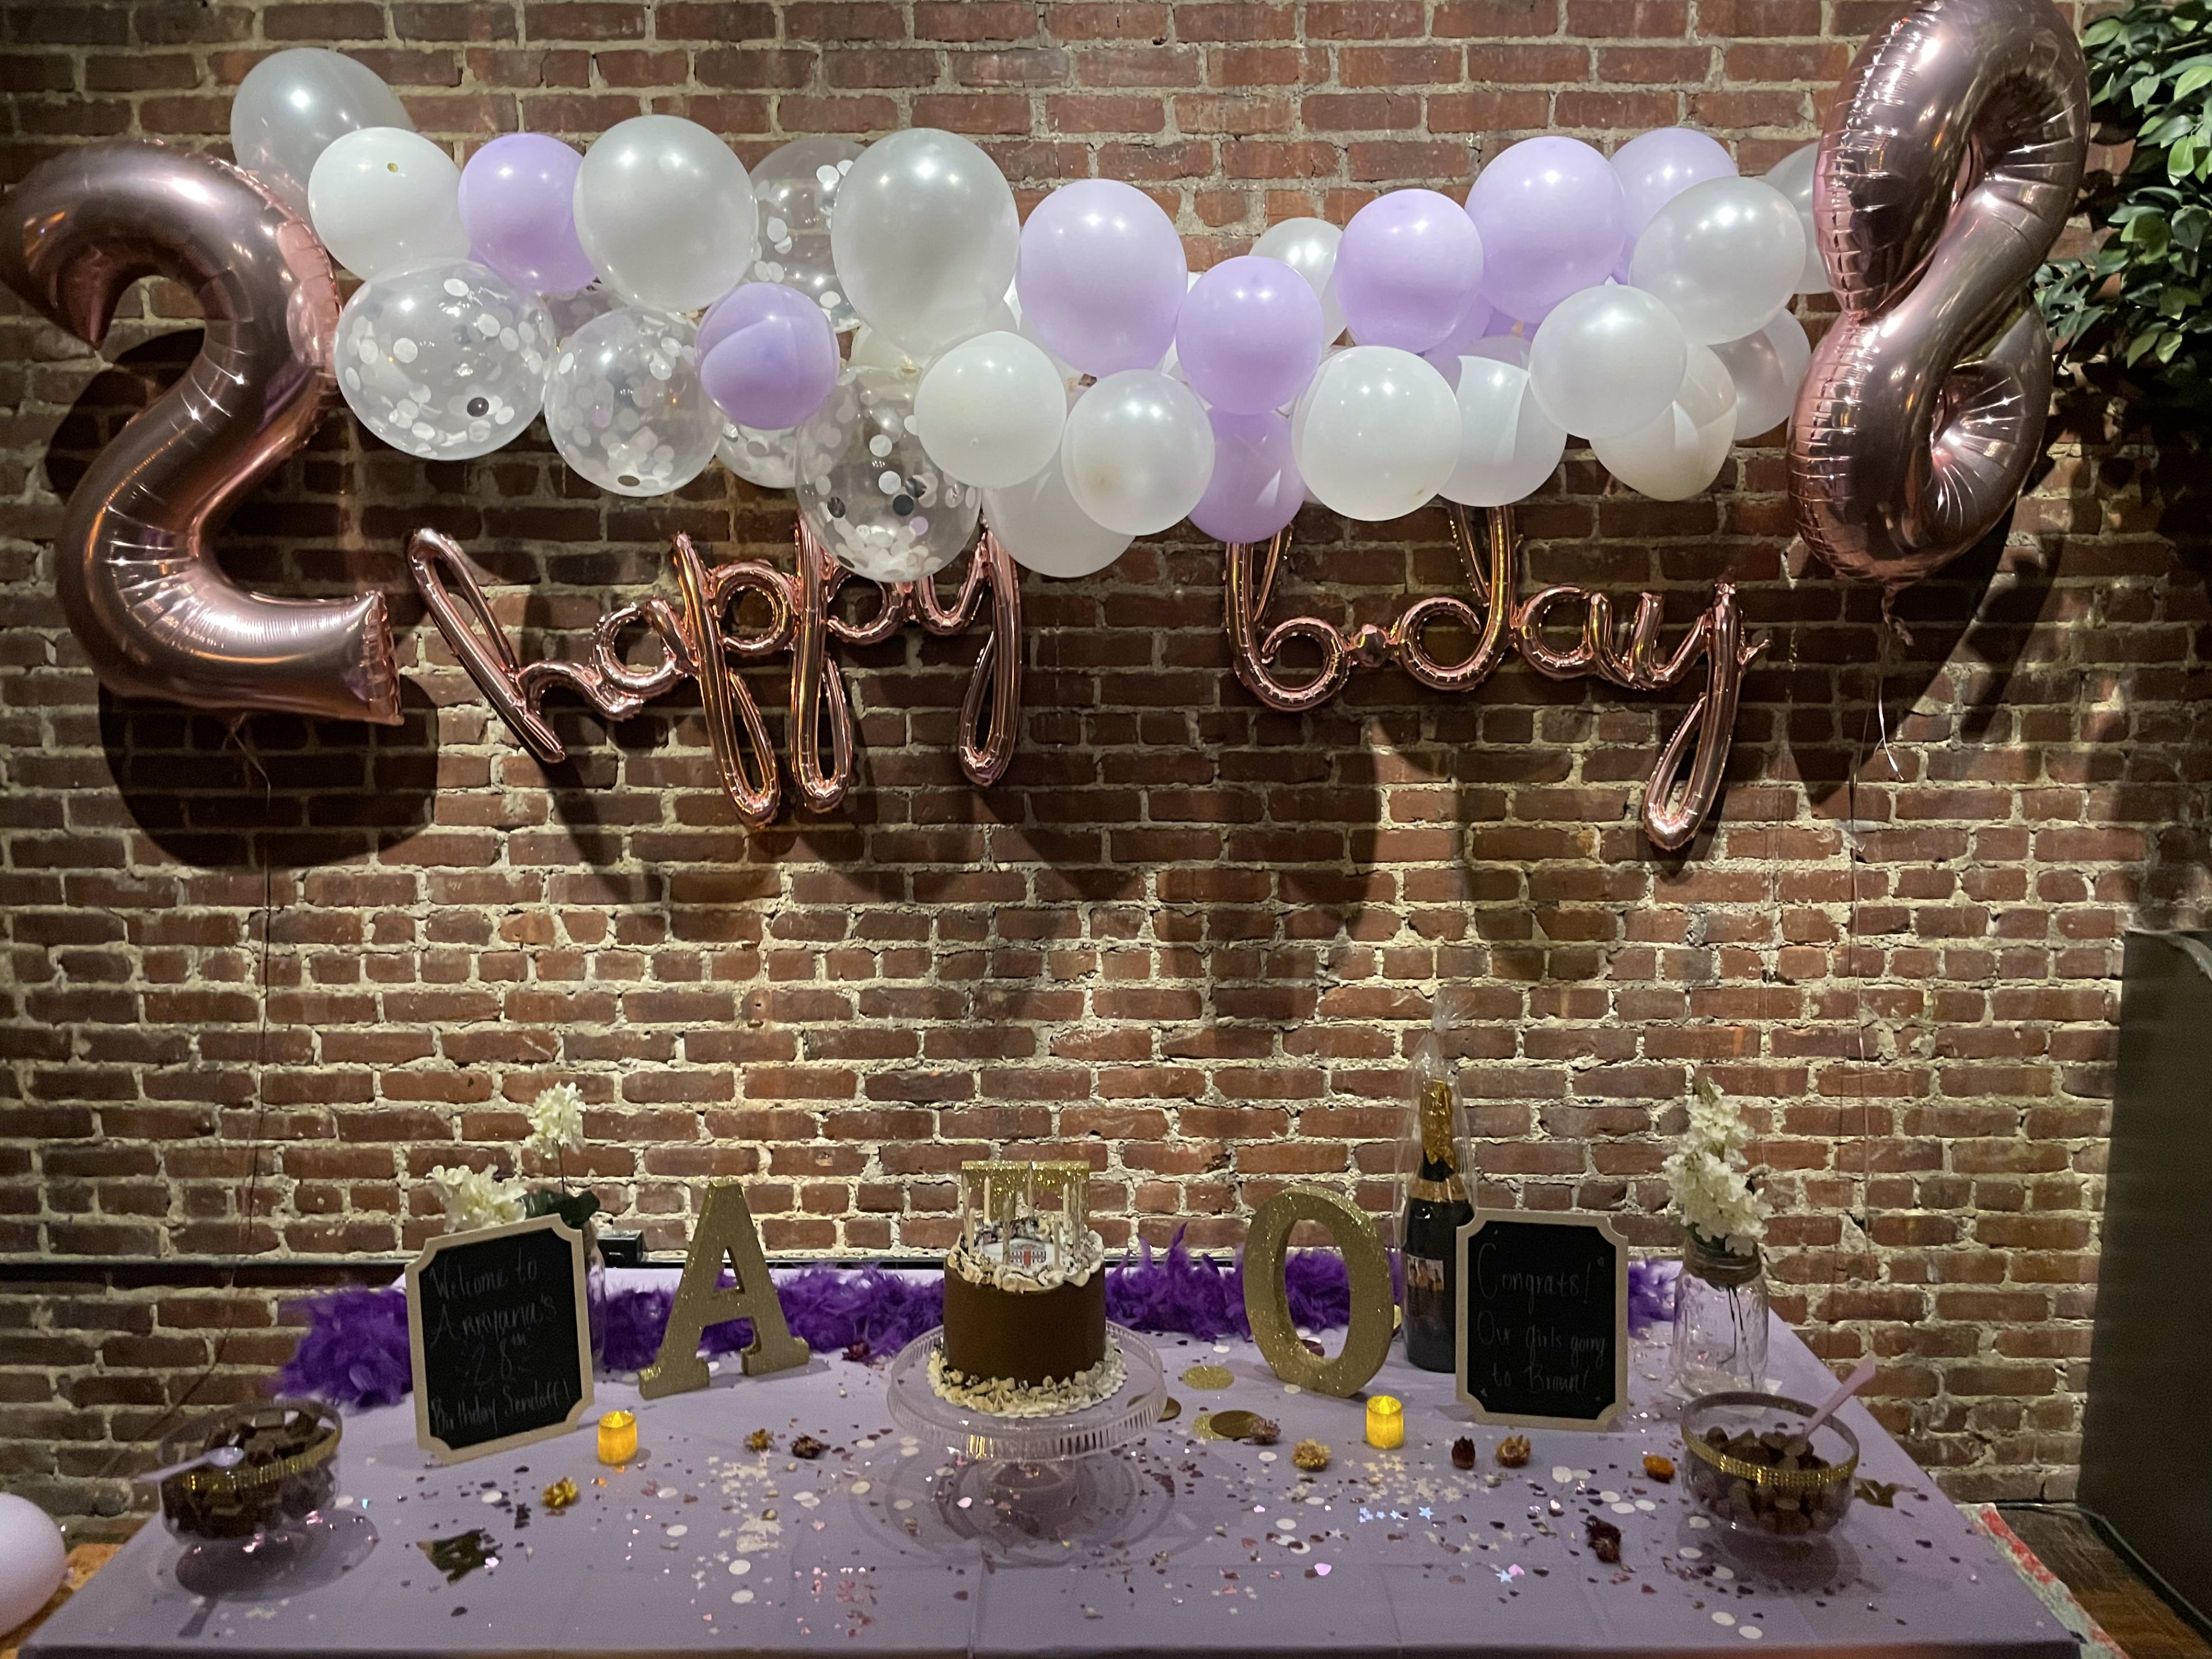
column 1946, row 171
column 131, row 560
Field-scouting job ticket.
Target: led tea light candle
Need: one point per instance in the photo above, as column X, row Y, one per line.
column 618, row 1436
column 1386, row 1423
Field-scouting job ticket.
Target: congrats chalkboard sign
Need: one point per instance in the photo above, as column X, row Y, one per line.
column 1543, row 1320
column 501, row 1342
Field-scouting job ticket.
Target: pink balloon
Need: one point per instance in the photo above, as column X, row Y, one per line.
column 1553, row 220
column 1408, row 269
column 1249, row 337
column 1101, row 276
column 1659, row 166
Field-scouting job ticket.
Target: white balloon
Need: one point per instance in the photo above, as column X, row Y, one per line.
column 1607, row 360
column 624, row 405
column 1767, row 368
column 1793, row 176
column 1724, row 255
column 1681, row 453
column 1309, row 248
column 1376, row 433
column 1508, row 446
column 989, row 411
column 1137, row 452
column 873, row 349
column 665, row 212
column 292, row 104
column 386, row 199
column 925, row 235
column 770, row 460
column 871, row 492
column 1042, row 528
column 34, row 1560
column 445, row 361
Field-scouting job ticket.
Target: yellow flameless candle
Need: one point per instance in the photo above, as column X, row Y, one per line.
column 1386, row 1423
column 618, row 1436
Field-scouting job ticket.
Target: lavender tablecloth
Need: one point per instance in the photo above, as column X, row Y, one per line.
column 1178, row 1546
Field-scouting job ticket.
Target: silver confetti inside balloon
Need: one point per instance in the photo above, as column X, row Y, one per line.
column 793, row 189
column 624, row 405
column 445, row 361
column 869, row 491
column 770, row 460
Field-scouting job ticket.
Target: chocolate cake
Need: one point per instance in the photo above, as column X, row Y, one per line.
column 1025, row 1294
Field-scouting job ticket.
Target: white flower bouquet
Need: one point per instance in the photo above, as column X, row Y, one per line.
column 483, row 1198
column 1717, row 1198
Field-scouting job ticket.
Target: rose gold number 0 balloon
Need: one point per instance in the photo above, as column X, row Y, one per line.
column 131, row 562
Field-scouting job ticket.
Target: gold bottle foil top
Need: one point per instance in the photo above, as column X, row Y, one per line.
column 1436, row 1145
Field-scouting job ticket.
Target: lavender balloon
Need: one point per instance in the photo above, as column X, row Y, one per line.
column 768, row 355
column 1657, row 168
column 1553, row 220
column 1472, row 325
column 1408, row 269
column 1249, row 337
column 518, row 206
column 1101, row 276
column 1256, row 488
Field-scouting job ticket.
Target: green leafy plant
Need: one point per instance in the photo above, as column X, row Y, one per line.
column 2137, row 299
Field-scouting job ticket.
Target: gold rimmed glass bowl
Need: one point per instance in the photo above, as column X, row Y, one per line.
column 289, row 1471
column 1751, row 1470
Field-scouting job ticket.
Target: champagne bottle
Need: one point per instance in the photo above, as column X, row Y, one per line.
column 1436, row 1209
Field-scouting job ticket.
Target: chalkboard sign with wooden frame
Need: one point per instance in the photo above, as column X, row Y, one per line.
column 1543, row 1320
column 500, row 1337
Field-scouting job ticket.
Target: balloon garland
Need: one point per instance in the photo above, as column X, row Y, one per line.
column 1066, row 383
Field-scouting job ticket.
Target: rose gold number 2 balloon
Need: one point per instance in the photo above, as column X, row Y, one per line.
column 145, row 598
column 1946, row 171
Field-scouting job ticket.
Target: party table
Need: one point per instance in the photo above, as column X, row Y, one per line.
column 884, row 1544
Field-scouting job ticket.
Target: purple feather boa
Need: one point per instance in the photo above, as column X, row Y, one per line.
column 353, row 1353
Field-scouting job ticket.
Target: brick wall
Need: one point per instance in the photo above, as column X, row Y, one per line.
column 1185, row 938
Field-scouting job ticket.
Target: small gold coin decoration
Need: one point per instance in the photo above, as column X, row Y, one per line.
column 1201, row 1427
column 1208, row 1376
column 1172, row 1411
column 1235, row 1426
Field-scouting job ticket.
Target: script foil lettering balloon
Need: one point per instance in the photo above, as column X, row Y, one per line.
column 132, row 562
column 1924, row 407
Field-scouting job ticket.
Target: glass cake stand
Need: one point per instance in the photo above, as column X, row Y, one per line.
column 982, row 1437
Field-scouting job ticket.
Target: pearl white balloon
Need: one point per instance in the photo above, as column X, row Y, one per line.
column 1508, row 446
column 665, row 212
column 1377, row 433
column 1607, row 360
column 925, row 235
column 34, row 1560
column 1137, row 452
column 292, row 104
column 770, row 460
column 1309, row 248
column 870, row 492
column 1681, row 453
column 445, row 361
column 1793, row 176
column 1724, row 255
column 1042, row 528
column 989, row 411
column 624, row 405
column 1767, row 367
column 386, row 199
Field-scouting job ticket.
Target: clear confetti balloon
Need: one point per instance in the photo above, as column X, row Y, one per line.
column 570, row 312
column 868, row 489
column 770, row 460
column 792, row 190
column 624, row 405
column 445, row 361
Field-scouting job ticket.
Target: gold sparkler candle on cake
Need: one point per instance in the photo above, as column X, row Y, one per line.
column 1025, row 1292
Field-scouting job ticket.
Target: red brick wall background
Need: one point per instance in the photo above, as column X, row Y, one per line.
column 1185, row 938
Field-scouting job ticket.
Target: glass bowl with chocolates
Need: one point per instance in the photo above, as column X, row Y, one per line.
column 275, row 1465
column 1751, row 1468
